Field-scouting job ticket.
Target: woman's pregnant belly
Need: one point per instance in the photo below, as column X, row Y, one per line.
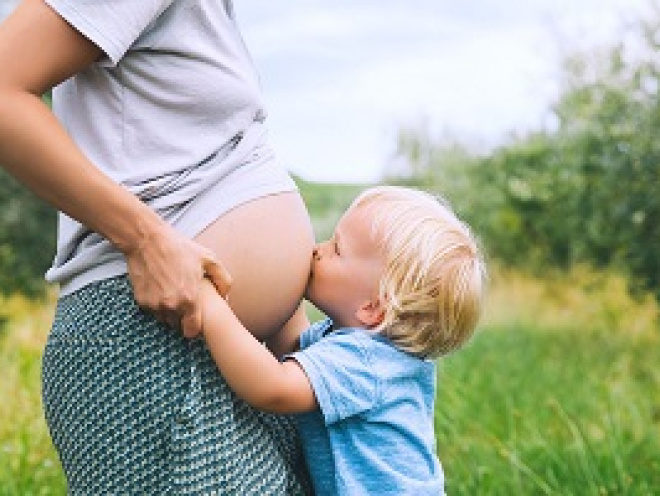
column 266, row 244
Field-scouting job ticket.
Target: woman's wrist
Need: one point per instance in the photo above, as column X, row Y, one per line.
column 133, row 232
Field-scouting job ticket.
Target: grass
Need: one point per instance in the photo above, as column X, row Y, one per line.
column 28, row 463
column 551, row 413
column 558, row 394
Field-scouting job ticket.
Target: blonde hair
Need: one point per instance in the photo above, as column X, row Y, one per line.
column 434, row 273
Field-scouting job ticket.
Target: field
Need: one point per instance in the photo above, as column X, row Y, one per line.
column 559, row 398
column 28, row 463
column 558, row 394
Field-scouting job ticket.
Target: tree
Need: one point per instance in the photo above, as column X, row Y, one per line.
column 609, row 127
column 27, row 239
column 586, row 192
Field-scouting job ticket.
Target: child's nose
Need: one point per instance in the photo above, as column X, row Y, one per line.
column 316, row 253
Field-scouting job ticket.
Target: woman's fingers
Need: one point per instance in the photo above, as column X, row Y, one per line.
column 167, row 276
column 217, row 273
column 191, row 321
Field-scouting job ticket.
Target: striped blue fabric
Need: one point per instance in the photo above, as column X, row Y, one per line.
column 134, row 408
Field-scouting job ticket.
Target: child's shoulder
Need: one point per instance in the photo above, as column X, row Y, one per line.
column 315, row 332
column 365, row 341
column 380, row 351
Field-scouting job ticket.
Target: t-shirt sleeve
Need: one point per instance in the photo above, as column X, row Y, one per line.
column 340, row 370
column 112, row 25
column 313, row 333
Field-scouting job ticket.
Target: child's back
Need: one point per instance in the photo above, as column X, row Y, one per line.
column 373, row 433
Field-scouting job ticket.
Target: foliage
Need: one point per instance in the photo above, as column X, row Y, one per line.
column 585, row 192
column 27, row 238
column 552, row 396
column 28, row 462
column 326, row 203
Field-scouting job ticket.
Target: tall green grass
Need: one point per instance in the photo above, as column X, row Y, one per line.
column 558, row 394
column 28, row 463
column 529, row 411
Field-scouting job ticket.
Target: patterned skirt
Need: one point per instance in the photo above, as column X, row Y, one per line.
column 134, row 408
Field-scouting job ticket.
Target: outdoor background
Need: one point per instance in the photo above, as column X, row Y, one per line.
column 559, row 391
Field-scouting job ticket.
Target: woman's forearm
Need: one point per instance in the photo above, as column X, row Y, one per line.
column 165, row 268
column 252, row 372
column 39, row 49
column 39, row 153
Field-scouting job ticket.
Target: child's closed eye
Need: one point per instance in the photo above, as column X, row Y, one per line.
column 335, row 242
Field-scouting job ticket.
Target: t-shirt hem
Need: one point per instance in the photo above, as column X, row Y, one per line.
column 108, row 270
column 212, row 210
column 209, row 208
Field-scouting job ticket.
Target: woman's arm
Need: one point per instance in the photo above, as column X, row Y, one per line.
column 249, row 368
column 38, row 50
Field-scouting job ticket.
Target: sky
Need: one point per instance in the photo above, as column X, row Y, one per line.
column 342, row 77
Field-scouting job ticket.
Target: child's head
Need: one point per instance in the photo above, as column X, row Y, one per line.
column 405, row 266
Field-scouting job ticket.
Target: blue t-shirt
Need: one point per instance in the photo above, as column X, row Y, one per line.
column 374, row 431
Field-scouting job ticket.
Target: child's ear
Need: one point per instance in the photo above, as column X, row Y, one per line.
column 370, row 313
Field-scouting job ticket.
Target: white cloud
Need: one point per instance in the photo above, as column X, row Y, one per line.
column 341, row 77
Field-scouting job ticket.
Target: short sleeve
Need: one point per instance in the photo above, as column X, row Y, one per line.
column 113, row 25
column 314, row 332
column 340, row 370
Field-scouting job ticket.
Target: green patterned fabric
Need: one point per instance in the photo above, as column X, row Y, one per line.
column 134, row 408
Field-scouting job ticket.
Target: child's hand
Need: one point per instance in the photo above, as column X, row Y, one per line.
column 249, row 368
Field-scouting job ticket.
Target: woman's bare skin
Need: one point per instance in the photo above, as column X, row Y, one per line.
column 266, row 245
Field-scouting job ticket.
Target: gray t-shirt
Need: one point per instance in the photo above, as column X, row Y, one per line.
column 173, row 112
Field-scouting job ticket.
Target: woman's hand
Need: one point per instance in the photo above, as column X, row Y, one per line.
column 167, row 270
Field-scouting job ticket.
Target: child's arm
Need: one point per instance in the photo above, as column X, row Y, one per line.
column 287, row 340
column 252, row 371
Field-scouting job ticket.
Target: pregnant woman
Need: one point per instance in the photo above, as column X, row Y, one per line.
column 158, row 160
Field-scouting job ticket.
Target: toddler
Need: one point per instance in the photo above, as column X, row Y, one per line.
column 401, row 283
